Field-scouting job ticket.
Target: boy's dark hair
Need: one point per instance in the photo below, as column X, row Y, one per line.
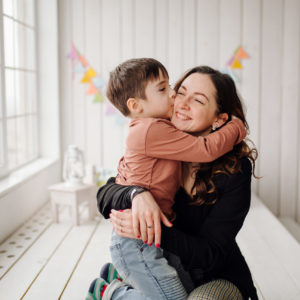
column 129, row 80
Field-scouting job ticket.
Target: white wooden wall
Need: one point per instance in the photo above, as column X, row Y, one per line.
column 182, row 34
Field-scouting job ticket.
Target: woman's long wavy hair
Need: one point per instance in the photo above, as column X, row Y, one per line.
column 228, row 101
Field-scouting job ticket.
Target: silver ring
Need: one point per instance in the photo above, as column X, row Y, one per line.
column 149, row 226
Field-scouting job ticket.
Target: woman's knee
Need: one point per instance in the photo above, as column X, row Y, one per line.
column 219, row 289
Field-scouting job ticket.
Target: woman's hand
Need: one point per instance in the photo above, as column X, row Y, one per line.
column 122, row 222
column 146, row 217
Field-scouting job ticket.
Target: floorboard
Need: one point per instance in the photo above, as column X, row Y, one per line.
column 95, row 255
column 51, row 282
column 59, row 261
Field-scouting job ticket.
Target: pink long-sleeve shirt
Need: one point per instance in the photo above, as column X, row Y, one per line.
column 155, row 149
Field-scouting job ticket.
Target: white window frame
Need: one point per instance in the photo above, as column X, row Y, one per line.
column 4, row 171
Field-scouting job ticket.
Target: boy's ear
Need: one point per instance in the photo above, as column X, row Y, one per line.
column 134, row 105
column 222, row 119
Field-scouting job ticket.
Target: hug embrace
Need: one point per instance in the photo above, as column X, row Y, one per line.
column 183, row 188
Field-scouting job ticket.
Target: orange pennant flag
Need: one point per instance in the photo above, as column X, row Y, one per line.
column 92, row 89
column 241, row 53
column 91, row 72
column 236, row 64
column 83, row 60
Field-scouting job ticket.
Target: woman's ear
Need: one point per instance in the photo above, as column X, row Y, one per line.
column 134, row 105
column 221, row 120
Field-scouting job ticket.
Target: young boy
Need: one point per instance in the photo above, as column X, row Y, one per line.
column 139, row 88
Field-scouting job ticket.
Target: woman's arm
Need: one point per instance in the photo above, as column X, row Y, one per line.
column 216, row 236
column 146, row 214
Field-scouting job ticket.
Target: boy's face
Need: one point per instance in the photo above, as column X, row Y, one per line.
column 159, row 100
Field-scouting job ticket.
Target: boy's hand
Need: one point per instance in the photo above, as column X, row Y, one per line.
column 241, row 126
column 122, row 222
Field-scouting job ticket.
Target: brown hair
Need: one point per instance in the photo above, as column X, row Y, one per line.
column 228, row 101
column 129, row 80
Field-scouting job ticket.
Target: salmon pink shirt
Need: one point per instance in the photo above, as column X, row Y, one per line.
column 155, row 149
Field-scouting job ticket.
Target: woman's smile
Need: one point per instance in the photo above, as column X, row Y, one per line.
column 182, row 116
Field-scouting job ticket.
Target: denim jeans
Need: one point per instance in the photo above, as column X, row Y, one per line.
column 145, row 270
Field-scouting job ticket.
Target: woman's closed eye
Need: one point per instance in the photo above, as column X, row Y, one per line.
column 199, row 101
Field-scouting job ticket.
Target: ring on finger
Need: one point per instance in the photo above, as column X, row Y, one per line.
column 149, row 227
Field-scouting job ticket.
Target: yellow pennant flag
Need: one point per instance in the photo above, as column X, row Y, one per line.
column 236, row 64
column 91, row 72
column 85, row 79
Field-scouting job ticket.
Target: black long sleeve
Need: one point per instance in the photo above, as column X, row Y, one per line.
column 210, row 243
column 113, row 196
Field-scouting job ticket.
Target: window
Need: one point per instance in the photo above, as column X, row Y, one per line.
column 18, row 85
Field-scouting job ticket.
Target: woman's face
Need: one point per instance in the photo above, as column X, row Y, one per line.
column 195, row 107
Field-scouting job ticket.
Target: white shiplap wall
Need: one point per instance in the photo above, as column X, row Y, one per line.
column 182, row 34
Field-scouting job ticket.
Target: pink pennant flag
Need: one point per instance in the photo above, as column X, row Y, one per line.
column 73, row 53
column 92, row 89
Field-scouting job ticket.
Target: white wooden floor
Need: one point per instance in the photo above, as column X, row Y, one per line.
column 44, row 260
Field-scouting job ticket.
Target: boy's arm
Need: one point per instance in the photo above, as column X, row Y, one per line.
column 113, row 196
column 168, row 142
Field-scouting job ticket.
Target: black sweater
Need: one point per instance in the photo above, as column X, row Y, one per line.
column 202, row 236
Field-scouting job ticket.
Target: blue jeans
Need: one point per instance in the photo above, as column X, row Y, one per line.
column 145, row 269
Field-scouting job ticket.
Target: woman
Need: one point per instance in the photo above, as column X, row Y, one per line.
column 214, row 199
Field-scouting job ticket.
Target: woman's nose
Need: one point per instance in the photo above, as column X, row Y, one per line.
column 183, row 104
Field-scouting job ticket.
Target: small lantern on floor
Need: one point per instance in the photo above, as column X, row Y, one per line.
column 73, row 171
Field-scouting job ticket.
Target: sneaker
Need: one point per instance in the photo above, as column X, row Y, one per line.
column 97, row 289
column 109, row 273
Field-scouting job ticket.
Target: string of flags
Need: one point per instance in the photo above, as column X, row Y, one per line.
column 95, row 82
column 235, row 62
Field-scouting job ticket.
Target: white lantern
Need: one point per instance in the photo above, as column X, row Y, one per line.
column 73, row 171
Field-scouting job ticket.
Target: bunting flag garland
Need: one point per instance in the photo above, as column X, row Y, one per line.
column 95, row 83
column 235, row 62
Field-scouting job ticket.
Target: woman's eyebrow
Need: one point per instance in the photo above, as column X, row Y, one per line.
column 196, row 93
column 201, row 94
